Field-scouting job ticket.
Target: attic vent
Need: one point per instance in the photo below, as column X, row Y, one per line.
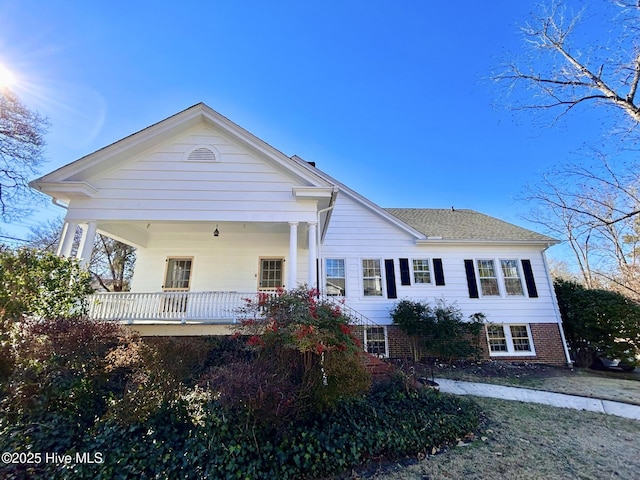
column 202, row 154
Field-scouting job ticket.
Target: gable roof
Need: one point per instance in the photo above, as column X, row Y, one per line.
column 425, row 225
column 458, row 225
column 73, row 174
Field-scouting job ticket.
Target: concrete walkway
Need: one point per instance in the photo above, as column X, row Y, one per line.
column 457, row 387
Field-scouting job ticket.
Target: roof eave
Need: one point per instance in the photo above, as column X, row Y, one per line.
column 546, row 243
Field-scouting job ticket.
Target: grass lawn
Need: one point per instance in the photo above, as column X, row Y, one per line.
column 529, row 441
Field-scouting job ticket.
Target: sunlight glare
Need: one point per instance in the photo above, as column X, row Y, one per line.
column 7, row 78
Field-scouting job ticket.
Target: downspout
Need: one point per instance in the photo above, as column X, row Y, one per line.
column 556, row 309
column 332, row 204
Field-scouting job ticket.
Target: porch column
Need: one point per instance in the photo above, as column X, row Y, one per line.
column 65, row 245
column 293, row 255
column 313, row 253
column 86, row 243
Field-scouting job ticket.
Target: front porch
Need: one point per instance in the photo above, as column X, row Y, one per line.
column 208, row 313
column 170, row 307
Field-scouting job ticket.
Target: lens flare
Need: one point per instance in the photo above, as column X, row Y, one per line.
column 7, row 78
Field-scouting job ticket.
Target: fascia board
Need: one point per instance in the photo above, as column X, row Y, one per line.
column 144, row 139
column 313, row 193
column 130, row 145
column 304, row 171
column 534, row 243
column 370, row 205
column 65, row 190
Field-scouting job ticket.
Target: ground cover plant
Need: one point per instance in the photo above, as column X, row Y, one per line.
column 530, row 441
column 211, row 408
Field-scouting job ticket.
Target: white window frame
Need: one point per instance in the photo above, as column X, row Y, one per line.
column 480, row 277
column 382, row 278
column 520, row 277
column 429, row 271
column 511, row 351
column 326, row 275
column 500, row 277
column 168, row 262
column 282, row 273
column 386, row 340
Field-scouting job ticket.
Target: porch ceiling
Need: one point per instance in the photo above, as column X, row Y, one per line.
column 137, row 233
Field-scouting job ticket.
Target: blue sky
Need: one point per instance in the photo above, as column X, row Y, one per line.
column 391, row 98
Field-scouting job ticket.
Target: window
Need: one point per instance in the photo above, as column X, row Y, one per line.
column 488, row 278
column 421, row 271
column 520, row 338
column 270, row 273
column 335, row 283
column 497, row 339
column 178, row 274
column 375, row 341
column 511, row 274
column 177, row 279
column 511, row 340
column 371, row 278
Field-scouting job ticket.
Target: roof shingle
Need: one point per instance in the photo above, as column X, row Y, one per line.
column 464, row 224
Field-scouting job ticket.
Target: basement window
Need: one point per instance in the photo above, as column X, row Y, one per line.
column 509, row 340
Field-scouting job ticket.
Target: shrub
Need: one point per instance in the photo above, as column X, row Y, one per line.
column 308, row 345
column 81, row 386
column 440, row 330
column 598, row 322
column 41, row 284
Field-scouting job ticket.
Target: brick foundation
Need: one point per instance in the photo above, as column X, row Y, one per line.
column 546, row 340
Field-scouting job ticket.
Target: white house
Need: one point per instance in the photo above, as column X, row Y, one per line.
column 218, row 215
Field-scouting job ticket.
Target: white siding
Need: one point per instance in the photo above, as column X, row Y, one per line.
column 162, row 185
column 228, row 263
column 357, row 233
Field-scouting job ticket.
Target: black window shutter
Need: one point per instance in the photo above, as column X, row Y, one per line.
column 405, row 273
column 391, row 279
column 471, row 279
column 528, row 278
column 438, row 271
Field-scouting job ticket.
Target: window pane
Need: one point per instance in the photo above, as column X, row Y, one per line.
column 520, row 338
column 512, row 281
column 178, row 274
column 421, row 273
column 376, row 341
column 335, row 277
column 371, row 278
column 497, row 338
column 271, row 273
column 488, row 279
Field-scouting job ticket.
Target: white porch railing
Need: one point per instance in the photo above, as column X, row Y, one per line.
column 200, row 307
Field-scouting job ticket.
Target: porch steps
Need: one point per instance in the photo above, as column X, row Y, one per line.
column 379, row 370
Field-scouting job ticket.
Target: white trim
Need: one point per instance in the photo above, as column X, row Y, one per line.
column 500, row 278
column 511, row 352
column 386, row 338
column 211, row 148
column 313, row 256
column 324, row 276
column 291, row 280
column 412, row 272
column 383, row 279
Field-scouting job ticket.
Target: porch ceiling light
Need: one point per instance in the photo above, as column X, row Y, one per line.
column 216, row 232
